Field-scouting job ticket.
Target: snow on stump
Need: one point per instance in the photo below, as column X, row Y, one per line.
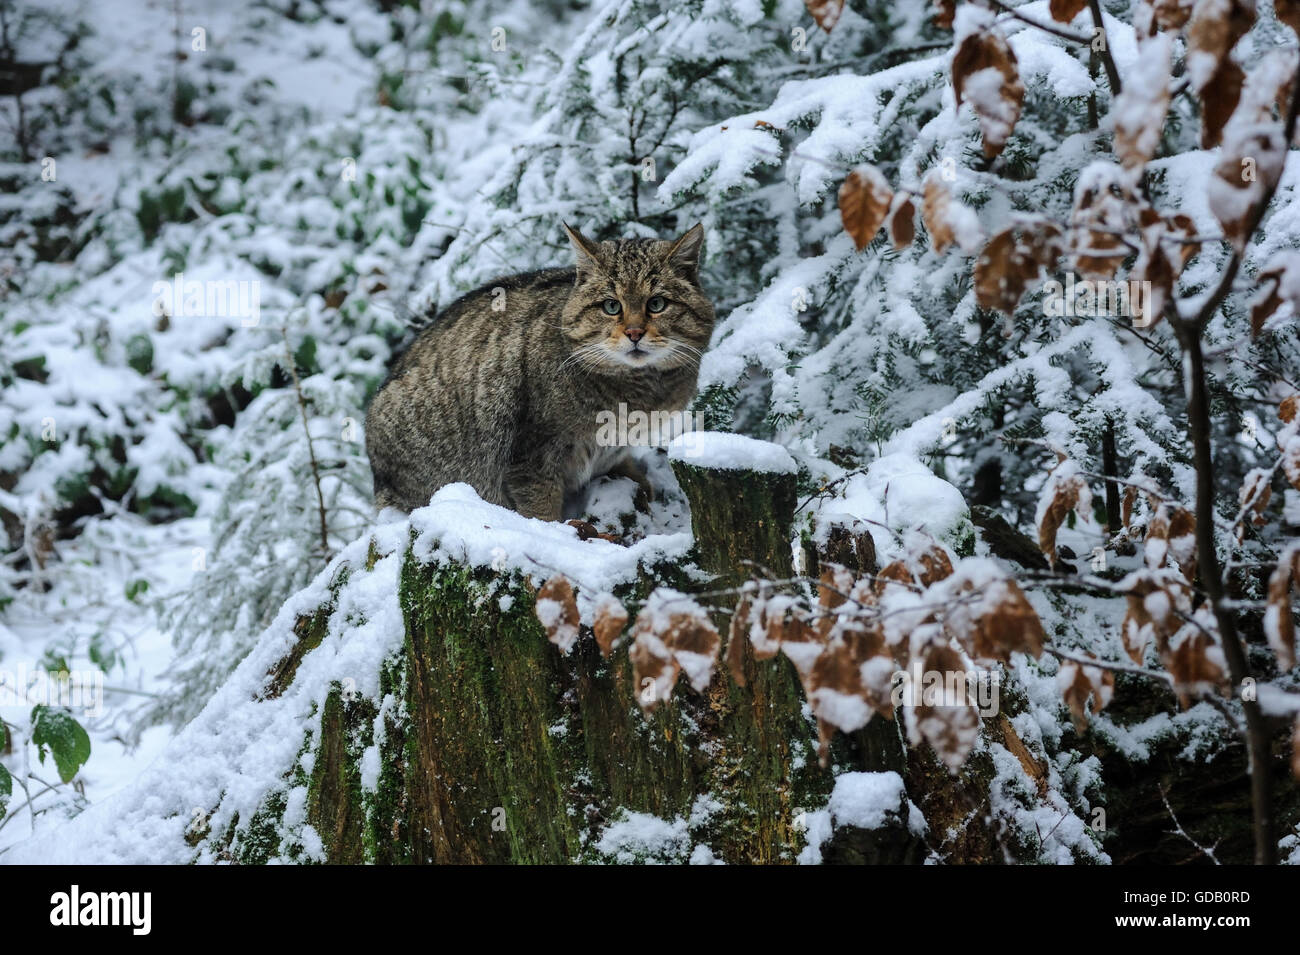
column 742, row 495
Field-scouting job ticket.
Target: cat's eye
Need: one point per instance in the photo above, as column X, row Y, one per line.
column 611, row 306
column 656, row 304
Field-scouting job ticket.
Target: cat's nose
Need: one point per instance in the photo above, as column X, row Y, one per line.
column 634, row 333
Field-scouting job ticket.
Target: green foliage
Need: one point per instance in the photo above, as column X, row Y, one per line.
column 55, row 732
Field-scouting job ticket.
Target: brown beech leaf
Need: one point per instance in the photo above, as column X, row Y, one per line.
column 850, row 679
column 1079, row 683
column 1253, row 498
column 931, row 565
column 1064, row 11
column 1106, row 207
column 947, row 220
column 1168, row 15
column 1192, row 664
column 1139, row 111
column 825, row 12
column 1171, row 539
column 1279, row 627
column 942, row 714
column 558, row 612
column 1214, row 29
column 1066, row 490
column 610, row 619
column 993, row 619
column 1012, row 259
column 1219, row 101
column 984, row 73
column 1157, row 603
column 864, row 202
column 1279, row 283
column 1288, row 408
column 902, row 221
column 672, row 634
column 1126, row 506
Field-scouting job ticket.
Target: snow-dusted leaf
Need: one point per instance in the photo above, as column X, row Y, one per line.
column 943, row 716
column 1171, row 539
column 985, row 74
column 1011, row 260
column 1065, row 490
column 1195, row 662
column 825, row 12
column 1254, row 496
column 864, row 200
column 610, row 617
column 1080, row 683
column 990, row 616
column 947, row 220
column 1064, row 11
column 1279, row 283
column 1139, row 111
column 1214, row 29
column 1106, row 208
column 1279, row 627
column 557, row 609
column 672, row 634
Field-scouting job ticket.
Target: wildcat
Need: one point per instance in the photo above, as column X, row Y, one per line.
column 503, row 389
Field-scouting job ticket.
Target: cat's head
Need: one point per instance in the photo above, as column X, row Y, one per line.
column 637, row 303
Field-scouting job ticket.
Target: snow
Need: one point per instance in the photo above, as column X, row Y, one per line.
column 730, row 452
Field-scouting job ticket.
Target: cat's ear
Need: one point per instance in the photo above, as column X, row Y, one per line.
column 684, row 254
column 588, row 251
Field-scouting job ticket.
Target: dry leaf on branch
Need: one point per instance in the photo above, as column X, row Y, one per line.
column 1064, row 11
column 610, row 619
column 984, row 73
column 1214, row 29
column 1157, row 603
column 1288, row 408
column 1196, row 664
column 1253, row 498
column 1066, row 490
column 1106, row 207
column 1279, row 627
column 826, row 13
column 991, row 617
column 1219, row 101
column 947, row 220
column 942, row 713
column 558, row 612
column 1012, row 259
column 864, row 202
column 1139, row 111
column 1279, row 283
column 902, row 221
column 1078, row 683
column 672, row 634
column 1171, row 539
column 1153, row 15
